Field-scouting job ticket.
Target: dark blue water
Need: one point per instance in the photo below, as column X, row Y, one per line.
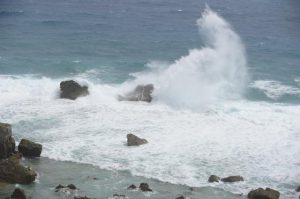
column 120, row 37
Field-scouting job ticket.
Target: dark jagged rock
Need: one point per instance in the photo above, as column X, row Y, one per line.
column 58, row 187
column 13, row 172
column 233, row 179
column 298, row 189
column 7, row 142
column 133, row 140
column 214, row 178
column 144, row 187
column 71, row 186
column 140, row 93
column 29, row 148
column 72, row 90
column 261, row 193
column 180, row 197
column 132, row 187
column 81, row 197
column 18, row 194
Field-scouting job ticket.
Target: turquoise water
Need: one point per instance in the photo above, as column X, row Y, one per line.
column 226, row 78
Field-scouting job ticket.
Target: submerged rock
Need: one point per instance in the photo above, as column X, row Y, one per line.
column 71, row 186
column 13, row 172
column 144, row 187
column 261, row 193
column 72, row 90
column 233, row 179
column 119, row 196
column 214, row 178
column 133, row 140
column 29, row 148
column 140, row 93
column 7, row 142
column 180, row 197
column 81, row 197
column 132, row 187
column 298, row 189
column 18, row 194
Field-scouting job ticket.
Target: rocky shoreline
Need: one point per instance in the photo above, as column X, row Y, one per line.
column 14, row 169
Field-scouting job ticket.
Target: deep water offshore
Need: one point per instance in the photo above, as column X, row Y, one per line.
column 226, row 99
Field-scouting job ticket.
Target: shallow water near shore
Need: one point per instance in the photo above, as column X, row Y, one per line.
column 102, row 184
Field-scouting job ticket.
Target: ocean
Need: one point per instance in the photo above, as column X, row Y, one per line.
column 226, row 99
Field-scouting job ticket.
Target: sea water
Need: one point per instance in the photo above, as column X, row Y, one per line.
column 226, row 77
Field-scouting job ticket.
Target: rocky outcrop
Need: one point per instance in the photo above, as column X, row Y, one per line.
column 145, row 187
column 261, row 193
column 133, row 140
column 140, row 93
column 7, row 142
column 72, row 90
column 29, row 148
column 232, row 179
column 18, row 194
column 213, row 178
column 12, row 171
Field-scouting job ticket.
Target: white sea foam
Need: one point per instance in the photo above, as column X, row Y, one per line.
column 215, row 72
column 275, row 89
column 257, row 140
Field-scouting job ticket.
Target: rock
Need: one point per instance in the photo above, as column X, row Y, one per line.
column 81, row 197
column 29, row 148
column 12, row 171
column 140, row 93
column 180, row 197
column 133, row 140
column 132, row 187
column 71, row 186
column 145, row 187
column 71, row 90
column 18, row 194
column 119, row 196
column 7, row 142
column 233, row 179
column 213, row 178
column 58, row 187
column 261, row 193
column 298, row 189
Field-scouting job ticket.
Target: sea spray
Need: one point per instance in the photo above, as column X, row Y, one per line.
column 218, row 71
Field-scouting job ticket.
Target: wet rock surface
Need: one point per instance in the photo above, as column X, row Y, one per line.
column 133, row 140
column 232, row 179
column 261, row 193
column 70, row 89
column 145, row 187
column 12, row 171
column 29, row 148
column 140, row 93
column 18, row 194
column 214, row 178
column 7, row 142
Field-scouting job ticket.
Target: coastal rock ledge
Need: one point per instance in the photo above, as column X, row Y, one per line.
column 7, row 142
column 140, row 93
column 261, row 193
column 29, row 148
column 133, row 140
column 72, row 90
column 12, row 171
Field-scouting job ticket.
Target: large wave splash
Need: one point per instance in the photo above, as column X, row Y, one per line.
column 215, row 72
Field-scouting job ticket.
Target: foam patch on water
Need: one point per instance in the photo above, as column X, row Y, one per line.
column 275, row 89
column 259, row 141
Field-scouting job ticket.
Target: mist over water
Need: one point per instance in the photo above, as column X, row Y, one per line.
column 215, row 72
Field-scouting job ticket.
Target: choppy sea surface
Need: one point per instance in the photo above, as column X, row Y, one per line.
column 226, row 77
